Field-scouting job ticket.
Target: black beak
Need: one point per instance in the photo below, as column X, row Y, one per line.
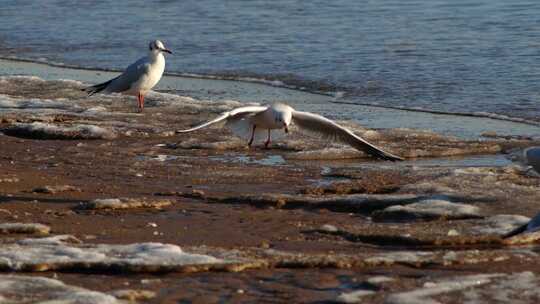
column 166, row 51
column 286, row 129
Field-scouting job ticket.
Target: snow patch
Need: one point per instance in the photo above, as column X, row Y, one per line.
column 126, row 203
column 354, row 296
column 55, row 254
column 38, row 130
column 28, row 228
column 428, row 209
column 17, row 289
column 407, row 257
column 8, row 104
column 501, row 224
column 423, row 295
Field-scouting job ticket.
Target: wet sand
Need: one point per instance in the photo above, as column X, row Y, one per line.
column 303, row 221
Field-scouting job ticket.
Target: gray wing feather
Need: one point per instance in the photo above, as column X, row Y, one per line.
column 232, row 115
column 328, row 128
column 131, row 75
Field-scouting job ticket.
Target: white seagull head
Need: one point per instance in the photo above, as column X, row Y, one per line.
column 282, row 114
column 158, row 46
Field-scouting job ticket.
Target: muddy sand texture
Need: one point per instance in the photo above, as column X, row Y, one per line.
column 102, row 204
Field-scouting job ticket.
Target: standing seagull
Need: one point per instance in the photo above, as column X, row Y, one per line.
column 139, row 78
column 280, row 116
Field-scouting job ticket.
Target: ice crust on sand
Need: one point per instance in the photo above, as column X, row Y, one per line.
column 14, row 104
column 428, row 209
column 56, row 189
column 56, row 254
column 134, row 295
column 423, row 295
column 501, row 224
column 480, row 288
column 38, row 130
column 521, row 287
column 28, row 228
column 354, row 296
column 18, row 289
column 125, row 203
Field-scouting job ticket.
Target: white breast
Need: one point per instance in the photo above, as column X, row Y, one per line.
column 266, row 120
column 155, row 70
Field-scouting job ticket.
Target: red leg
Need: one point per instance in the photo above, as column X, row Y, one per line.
column 267, row 142
column 252, row 136
column 141, row 102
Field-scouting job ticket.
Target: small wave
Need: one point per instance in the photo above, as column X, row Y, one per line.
column 281, row 81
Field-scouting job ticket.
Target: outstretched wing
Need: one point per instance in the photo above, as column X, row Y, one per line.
column 326, row 127
column 235, row 114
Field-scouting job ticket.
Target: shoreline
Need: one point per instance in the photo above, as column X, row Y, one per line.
column 372, row 116
column 330, row 96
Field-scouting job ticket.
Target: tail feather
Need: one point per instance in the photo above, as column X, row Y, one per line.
column 96, row 88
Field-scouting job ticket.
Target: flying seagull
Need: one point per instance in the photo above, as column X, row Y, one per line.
column 253, row 119
column 139, row 78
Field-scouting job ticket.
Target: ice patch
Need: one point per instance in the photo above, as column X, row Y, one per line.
column 423, row 295
column 378, row 280
column 404, row 257
column 125, row 203
column 501, row 224
column 428, row 209
column 514, row 288
column 8, row 103
column 56, row 189
column 28, row 228
column 354, row 296
column 133, row 295
column 55, row 254
column 16, row 289
column 38, row 130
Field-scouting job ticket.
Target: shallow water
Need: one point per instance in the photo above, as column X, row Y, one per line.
column 216, row 91
column 458, row 56
column 270, row 160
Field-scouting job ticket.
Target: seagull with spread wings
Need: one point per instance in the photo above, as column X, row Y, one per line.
column 138, row 78
column 254, row 119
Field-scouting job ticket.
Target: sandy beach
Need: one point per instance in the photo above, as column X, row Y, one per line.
column 112, row 205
